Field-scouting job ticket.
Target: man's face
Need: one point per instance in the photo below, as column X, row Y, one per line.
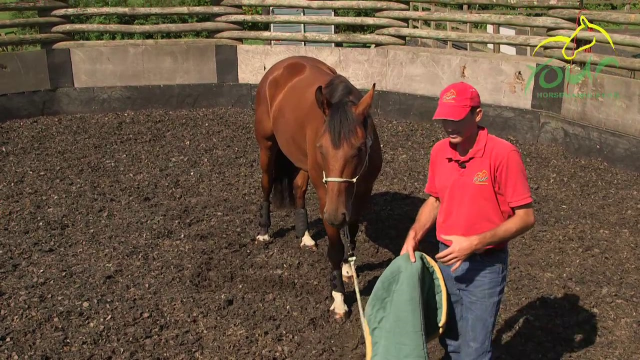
column 458, row 131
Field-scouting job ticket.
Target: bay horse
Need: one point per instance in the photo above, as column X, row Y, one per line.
column 311, row 123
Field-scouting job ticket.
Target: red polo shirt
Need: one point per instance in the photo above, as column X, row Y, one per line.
column 480, row 195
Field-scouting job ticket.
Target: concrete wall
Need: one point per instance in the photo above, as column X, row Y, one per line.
column 503, row 80
column 144, row 65
column 516, row 99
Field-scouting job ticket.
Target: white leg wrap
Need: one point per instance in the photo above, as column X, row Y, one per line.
column 263, row 237
column 307, row 240
column 346, row 270
column 338, row 303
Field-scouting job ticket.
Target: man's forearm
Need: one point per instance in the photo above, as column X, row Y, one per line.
column 426, row 217
column 517, row 225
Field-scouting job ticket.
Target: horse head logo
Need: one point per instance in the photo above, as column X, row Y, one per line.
column 584, row 23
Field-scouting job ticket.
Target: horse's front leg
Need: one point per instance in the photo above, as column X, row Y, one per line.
column 335, row 253
column 351, row 231
column 359, row 205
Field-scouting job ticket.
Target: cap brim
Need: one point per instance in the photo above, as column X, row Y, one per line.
column 455, row 113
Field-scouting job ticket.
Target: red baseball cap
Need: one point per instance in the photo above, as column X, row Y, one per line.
column 456, row 101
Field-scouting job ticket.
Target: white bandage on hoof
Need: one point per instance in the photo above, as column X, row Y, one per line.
column 338, row 307
column 307, row 240
column 263, row 237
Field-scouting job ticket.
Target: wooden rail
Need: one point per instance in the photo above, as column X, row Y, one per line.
column 143, row 29
column 518, row 40
column 542, row 22
column 320, row 20
column 9, row 24
column 321, row 5
column 32, row 39
column 561, row 4
column 610, row 17
column 322, row 38
column 32, row 5
column 624, row 40
column 112, row 43
column 125, row 11
column 394, row 22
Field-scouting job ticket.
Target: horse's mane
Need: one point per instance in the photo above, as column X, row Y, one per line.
column 341, row 122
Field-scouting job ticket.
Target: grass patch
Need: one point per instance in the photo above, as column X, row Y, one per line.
column 4, row 15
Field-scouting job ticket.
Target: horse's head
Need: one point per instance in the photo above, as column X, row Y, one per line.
column 343, row 146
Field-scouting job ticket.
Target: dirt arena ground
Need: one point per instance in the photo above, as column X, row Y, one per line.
column 130, row 235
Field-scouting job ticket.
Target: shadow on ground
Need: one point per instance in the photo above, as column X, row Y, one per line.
column 387, row 223
column 546, row 328
column 390, row 219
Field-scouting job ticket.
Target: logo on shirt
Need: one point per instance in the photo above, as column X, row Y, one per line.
column 481, row 178
column 449, row 96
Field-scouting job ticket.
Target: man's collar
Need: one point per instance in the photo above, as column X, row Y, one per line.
column 476, row 151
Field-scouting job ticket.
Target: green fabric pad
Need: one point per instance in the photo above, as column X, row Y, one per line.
column 407, row 309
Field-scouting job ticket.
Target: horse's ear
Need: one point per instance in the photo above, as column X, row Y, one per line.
column 365, row 104
column 322, row 101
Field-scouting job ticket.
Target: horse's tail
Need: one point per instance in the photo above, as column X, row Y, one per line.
column 284, row 175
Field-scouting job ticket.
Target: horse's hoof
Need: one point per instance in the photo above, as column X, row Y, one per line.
column 263, row 238
column 340, row 318
column 307, row 242
column 339, row 310
column 313, row 247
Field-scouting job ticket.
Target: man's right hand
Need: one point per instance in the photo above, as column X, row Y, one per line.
column 410, row 245
column 424, row 220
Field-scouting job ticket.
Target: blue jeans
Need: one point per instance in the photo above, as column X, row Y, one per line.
column 475, row 292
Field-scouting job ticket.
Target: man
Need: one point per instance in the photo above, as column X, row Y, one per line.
column 480, row 199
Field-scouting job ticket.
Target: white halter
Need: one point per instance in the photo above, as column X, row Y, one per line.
column 325, row 179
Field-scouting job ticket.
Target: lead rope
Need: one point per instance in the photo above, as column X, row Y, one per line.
column 352, row 260
column 352, row 256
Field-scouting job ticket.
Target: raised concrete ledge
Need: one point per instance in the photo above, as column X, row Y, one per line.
column 23, row 71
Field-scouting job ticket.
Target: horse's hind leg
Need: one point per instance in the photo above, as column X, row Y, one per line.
column 301, row 185
column 268, row 150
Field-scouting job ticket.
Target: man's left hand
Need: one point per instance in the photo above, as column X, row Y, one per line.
column 460, row 249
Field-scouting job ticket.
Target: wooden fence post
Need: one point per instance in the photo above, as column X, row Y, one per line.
column 449, row 43
column 46, row 29
column 212, row 34
column 465, row 7
column 496, row 47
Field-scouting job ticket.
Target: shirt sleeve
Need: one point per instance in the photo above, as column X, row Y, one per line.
column 430, row 187
column 512, row 179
